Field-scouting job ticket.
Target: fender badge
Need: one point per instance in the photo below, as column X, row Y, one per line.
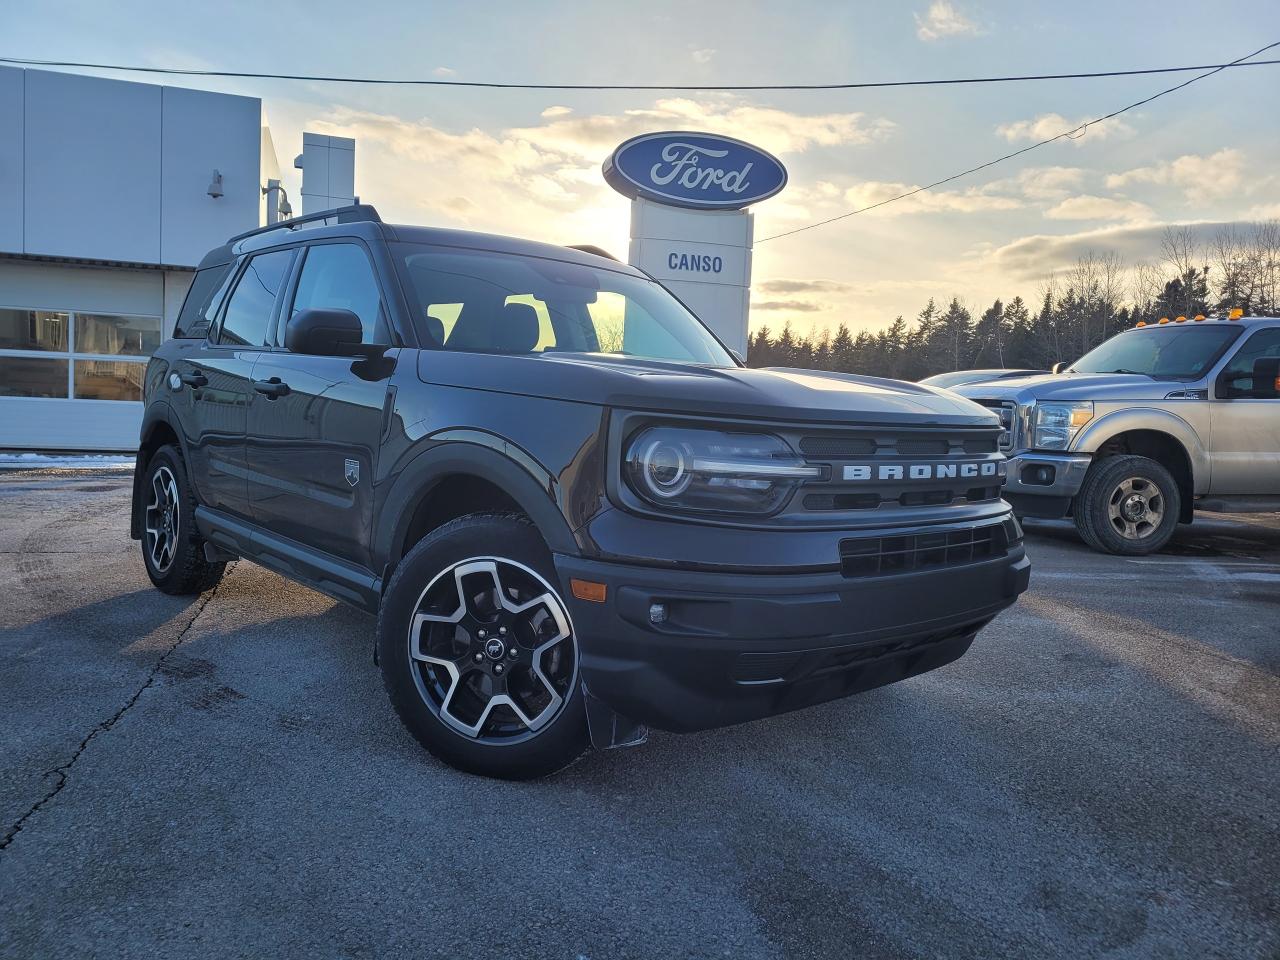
column 353, row 472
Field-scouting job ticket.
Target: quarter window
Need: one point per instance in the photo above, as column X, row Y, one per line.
column 339, row 276
column 249, row 310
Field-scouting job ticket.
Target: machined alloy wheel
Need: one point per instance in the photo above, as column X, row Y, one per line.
column 1136, row 508
column 492, row 650
column 172, row 548
column 160, row 527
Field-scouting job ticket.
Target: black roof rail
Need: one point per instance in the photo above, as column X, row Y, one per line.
column 355, row 213
column 593, row 249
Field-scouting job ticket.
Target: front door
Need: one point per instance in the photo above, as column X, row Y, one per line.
column 216, row 382
column 315, row 423
column 1245, row 442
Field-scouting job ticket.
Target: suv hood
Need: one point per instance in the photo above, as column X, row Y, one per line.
column 1074, row 386
column 777, row 393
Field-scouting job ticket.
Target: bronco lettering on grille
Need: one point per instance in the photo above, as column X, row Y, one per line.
column 923, row 471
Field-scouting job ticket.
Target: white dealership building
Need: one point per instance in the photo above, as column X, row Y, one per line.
column 110, row 193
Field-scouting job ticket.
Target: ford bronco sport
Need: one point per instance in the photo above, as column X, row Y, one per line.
column 574, row 512
column 1157, row 422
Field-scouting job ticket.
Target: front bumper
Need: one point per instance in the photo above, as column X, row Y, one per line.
column 1043, row 484
column 739, row 646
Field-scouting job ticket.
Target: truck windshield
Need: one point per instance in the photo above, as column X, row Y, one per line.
column 1178, row 353
column 485, row 302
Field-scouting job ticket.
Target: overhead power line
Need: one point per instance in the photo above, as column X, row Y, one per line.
column 1072, row 134
column 687, row 87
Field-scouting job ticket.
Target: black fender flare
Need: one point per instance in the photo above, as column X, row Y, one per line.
column 470, row 452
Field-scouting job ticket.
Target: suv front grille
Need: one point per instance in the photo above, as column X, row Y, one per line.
column 882, row 556
column 873, row 467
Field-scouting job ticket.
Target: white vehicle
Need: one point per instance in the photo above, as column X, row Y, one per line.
column 1155, row 423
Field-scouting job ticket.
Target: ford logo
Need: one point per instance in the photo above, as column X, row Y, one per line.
column 699, row 170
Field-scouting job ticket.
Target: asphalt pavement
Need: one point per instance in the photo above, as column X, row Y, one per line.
column 222, row 776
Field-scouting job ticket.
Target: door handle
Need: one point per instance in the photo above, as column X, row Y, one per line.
column 275, row 387
column 195, row 379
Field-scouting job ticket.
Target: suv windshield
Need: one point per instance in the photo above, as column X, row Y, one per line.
column 1181, row 353
column 498, row 303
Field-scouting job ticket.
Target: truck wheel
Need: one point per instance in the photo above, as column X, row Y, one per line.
column 478, row 653
column 1127, row 505
column 172, row 548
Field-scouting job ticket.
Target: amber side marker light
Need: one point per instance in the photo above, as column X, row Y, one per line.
column 1199, row 317
column 1235, row 314
column 588, row 590
column 1142, row 323
column 1181, row 320
column 1164, row 319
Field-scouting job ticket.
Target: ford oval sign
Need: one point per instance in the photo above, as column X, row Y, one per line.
column 700, row 170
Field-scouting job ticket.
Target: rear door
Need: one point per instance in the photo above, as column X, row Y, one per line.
column 314, row 432
column 1245, row 442
column 216, row 379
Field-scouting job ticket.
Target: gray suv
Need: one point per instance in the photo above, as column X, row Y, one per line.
column 1157, row 422
column 572, row 510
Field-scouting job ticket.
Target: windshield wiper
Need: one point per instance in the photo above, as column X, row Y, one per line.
column 1136, row 373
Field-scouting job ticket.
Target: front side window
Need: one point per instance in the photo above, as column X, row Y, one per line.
column 499, row 303
column 249, row 310
column 1176, row 353
column 1237, row 375
column 339, row 276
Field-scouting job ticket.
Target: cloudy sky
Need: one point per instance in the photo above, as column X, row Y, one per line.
column 528, row 162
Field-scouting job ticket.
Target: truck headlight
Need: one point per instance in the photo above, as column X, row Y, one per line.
column 1056, row 424
column 713, row 471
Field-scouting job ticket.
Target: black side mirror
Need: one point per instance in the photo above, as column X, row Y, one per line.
column 1266, row 378
column 325, row 332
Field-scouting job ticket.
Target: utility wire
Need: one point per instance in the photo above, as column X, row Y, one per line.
column 493, row 85
column 1072, row 134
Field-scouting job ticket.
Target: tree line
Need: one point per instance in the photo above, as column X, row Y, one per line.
column 1238, row 267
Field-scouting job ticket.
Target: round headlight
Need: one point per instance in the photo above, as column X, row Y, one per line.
column 666, row 472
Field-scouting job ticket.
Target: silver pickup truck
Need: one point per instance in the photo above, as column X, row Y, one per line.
column 1155, row 423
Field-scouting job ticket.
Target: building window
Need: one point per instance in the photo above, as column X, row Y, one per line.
column 63, row 354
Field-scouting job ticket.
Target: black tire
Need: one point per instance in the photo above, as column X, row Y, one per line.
column 424, row 577
column 1100, row 506
column 184, row 570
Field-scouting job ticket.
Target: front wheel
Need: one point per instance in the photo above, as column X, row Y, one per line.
column 172, row 548
column 1127, row 505
column 478, row 653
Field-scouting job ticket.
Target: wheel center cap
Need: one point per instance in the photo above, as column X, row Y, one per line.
column 495, row 649
column 1135, row 508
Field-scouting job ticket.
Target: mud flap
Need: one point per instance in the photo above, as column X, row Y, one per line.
column 609, row 728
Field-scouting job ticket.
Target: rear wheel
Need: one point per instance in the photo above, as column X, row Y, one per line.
column 172, row 549
column 1127, row 505
column 478, row 653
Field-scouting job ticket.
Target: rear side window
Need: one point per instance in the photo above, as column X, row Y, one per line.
column 206, row 293
column 339, row 276
column 249, row 310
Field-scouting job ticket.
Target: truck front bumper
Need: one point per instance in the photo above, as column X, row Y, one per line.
column 689, row 650
column 1043, row 484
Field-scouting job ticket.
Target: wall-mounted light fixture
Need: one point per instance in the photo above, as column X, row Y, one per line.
column 215, row 186
column 278, row 207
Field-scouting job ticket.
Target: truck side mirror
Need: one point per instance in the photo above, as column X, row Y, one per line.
column 1266, row 378
column 327, row 332
column 1059, row 366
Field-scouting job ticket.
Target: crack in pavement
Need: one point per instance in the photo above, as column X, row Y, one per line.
column 63, row 771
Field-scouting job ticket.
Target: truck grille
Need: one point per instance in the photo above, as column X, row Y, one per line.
column 882, row 556
column 1007, row 411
